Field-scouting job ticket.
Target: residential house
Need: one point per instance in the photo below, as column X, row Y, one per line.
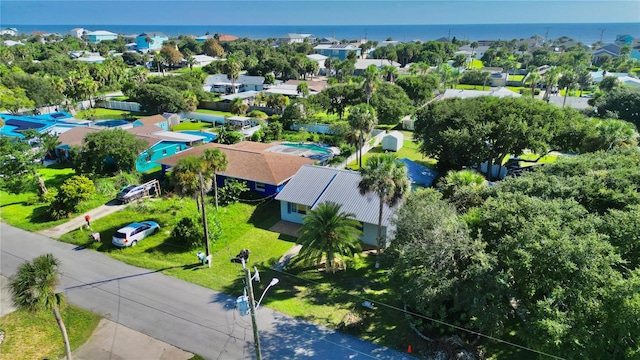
column 10, row 43
column 624, row 39
column 362, row 64
column 291, row 38
column 635, row 49
column 70, row 139
column 95, row 37
column 9, row 31
column 419, row 176
column 161, row 144
column 88, row 57
column 597, row 76
column 79, row 32
column 219, row 37
column 315, row 86
column 55, row 123
column 472, row 53
column 150, row 41
column 328, row 40
column 220, row 83
column 200, row 60
column 611, row 50
column 466, row 94
column 337, row 51
column 314, row 185
column 264, row 172
column 320, row 59
column 165, row 121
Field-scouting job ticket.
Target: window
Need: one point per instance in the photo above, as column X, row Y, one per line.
column 164, row 152
column 260, row 186
column 301, row 209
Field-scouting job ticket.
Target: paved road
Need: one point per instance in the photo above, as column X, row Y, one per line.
column 188, row 316
column 79, row 221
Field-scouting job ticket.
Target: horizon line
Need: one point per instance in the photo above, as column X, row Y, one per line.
column 239, row 25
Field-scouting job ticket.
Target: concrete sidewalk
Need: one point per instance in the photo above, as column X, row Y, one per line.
column 111, row 341
column 77, row 222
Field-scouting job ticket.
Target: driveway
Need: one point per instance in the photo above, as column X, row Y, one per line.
column 187, row 316
column 77, row 222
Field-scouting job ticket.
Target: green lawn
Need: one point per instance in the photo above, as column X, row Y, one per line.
column 215, row 112
column 16, row 211
column 37, row 336
column 409, row 150
column 304, row 292
column 471, row 87
column 516, row 77
column 101, row 113
column 476, row 64
column 189, row 125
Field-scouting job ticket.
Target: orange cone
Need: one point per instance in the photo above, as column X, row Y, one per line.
column 409, row 349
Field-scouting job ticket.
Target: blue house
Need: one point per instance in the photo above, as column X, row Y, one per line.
column 150, row 41
column 95, row 37
column 624, row 39
column 314, row 185
column 265, row 173
column 337, row 51
column 55, row 123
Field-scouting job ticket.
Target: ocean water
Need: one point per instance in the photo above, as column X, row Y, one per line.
column 585, row 33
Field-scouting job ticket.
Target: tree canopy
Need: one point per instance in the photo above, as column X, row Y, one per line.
column 108, row 151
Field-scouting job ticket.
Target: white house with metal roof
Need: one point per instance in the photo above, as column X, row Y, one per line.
column 220, row 83
column 313, row 185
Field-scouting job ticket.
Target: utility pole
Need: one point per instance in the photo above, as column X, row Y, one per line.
column 601, row 34
column 252, row 308
column 546, row 34
column 204, row 217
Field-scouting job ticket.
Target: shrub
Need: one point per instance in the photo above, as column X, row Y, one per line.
column 231, row 191
column 257, row 114
column 188, row 232
column 74, row 190
column 124, row 179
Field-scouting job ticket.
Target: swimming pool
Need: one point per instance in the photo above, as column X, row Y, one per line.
column 110, row 123
column 310, row 147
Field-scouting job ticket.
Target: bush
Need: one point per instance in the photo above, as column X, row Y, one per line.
column 231, row 191
column 257, row 114
column 188, row 232
column 74, row 190
column 124, row 179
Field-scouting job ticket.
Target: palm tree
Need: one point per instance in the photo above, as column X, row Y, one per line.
column 550, row 78
column 185, row 175
column 389, row 73
column 362, row 118
column 232, row 69
column 214, row 161
column 387, row 177
column 458, row 179
column 473, row 46
column 534, row 77
column 584, row 79
column 303, row 89
column 371, row 78
column 190, row 61
column 568, row 81
column 329, row 233
column 33, row 288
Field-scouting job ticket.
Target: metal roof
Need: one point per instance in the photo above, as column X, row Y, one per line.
column 313, row 185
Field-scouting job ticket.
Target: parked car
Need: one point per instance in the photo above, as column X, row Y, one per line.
column 132, row 192
column 134, row 232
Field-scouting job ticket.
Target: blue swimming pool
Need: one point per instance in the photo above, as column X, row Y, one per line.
column 110, row 123
column 311, row 147
column 208, row 137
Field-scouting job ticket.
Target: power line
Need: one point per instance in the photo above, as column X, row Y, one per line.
column 429, row 318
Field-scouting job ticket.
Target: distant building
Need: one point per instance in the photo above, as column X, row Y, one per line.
column 95, row 37
column 78, row 32
column 624, row 39
column 150, row 41
column 292, row 38
column 337, row 51
column 9, row 31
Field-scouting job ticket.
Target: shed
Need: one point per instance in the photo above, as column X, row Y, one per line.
column 393, row 141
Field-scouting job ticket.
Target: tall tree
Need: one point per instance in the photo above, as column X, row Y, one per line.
column 214, row 162
column 568, row 81
column 232, row 70
column 387, row 177
column 371, row 79
column 328, row 233
column 303, row 89
column 185, row 175
column 534, row 77
column 362, row 119
column 33, row 288
column 109, row 151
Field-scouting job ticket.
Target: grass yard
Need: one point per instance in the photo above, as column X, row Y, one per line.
column 192, row 125
column 215, row 112
column 16, row 210
column 472, row 87
column 516, row 77
column 103, row 114
column 409, row 150
column 476, row 64
column 330, row 299
column 37, row 336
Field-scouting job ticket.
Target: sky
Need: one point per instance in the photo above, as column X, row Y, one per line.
column 313, row 12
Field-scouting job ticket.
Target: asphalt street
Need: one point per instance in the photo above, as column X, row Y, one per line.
column 185, row 315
